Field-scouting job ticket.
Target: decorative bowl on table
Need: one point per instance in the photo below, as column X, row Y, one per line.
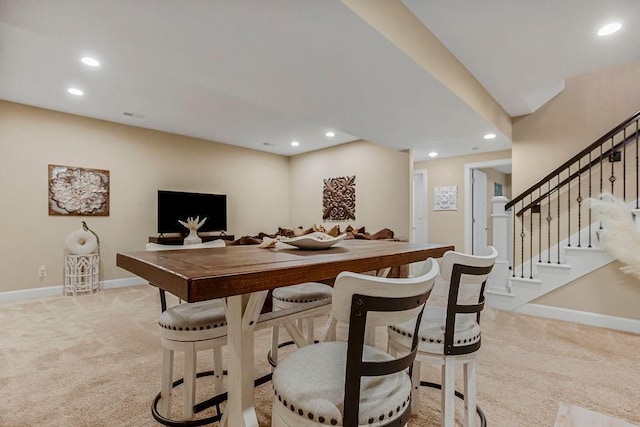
column 314, row 241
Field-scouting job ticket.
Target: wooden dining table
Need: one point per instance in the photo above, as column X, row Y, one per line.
column 243, row 275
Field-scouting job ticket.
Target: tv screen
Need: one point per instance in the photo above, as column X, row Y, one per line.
column 175, row 205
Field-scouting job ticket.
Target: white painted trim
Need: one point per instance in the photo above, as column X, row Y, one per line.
column 56, row 291
column 467, row 195
column 122, row 283
column 12, row 296
column 425, row 182
column 584, row 317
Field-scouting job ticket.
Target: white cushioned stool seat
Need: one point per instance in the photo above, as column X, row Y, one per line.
column 319, row 393
column 303, row 293
column 201, row 318
column 431, row 335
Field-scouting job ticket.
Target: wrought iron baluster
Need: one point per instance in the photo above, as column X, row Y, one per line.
column 540, row 224
column 590, row 195
column 624, row 164
column 601, row 172
column 612, row 178
column 568, row 204
column 513, row 247
column 601, row 169
column 531, row 238
column 579, row 200
column 522, row 243
column 549, row 224
column 558, row 242
column 637, row 167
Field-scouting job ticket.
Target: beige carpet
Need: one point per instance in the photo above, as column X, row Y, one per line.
column 570, row 415
column 95, row 360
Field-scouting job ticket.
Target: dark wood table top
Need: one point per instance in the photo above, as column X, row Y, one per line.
column 201, row 274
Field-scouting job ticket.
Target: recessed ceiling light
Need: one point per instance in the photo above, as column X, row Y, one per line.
column 75, row 91
column 295, row 143
column 330, row 134
column 91, row 62
column 432, row 154
column 609, row 29
column 490, row 136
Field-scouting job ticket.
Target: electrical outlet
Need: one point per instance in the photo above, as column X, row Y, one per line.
column 42, row 271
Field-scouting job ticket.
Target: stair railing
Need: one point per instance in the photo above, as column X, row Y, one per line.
column 554, row 212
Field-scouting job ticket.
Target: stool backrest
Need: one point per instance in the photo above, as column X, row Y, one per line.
column 347, row 284
column 469, row 272
column 365, row 301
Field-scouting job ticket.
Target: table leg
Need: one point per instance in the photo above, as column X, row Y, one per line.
column 242, row 313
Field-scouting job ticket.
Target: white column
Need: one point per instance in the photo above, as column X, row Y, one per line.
column 498, row 281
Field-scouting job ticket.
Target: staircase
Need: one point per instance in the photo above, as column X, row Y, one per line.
column 575, row 262
column 554, row 234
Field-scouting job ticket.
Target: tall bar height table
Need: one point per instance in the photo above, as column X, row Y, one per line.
column 243, row 275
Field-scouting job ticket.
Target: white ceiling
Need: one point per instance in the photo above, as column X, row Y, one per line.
column 250, row 72
column 522, row 50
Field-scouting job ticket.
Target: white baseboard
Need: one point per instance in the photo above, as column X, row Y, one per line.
column 122, row 283
column 55, row 291
column 584, row 317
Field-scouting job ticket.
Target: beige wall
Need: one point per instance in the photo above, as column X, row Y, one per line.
column 448, row 226
column 140, row 162
column 383, row 186
column 605, row 291
column 590, row 106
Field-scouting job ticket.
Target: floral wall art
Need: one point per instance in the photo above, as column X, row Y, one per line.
column 78, row 191
column 445, row 198
column 339, row 199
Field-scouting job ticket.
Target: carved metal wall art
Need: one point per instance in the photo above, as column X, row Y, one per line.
column 78, row 191
column 339, row 199
column 445, row 198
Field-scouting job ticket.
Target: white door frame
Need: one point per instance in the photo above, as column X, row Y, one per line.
column 479, row 206
column 423, row 173
column 467, row 195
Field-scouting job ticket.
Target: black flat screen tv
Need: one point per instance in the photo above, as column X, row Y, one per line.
column 177, row 205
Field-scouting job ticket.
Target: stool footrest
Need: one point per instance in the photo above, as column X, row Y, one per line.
column 214, row 401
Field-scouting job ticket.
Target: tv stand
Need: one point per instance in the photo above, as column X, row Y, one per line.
column 177, row 240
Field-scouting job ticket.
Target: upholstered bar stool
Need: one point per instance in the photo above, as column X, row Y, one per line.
column 350, row 383
column 449, row 333
column 297, row 296
column 189, row 328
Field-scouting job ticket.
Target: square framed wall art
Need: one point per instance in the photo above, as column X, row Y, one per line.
column 339, row 199
column 78, row 191
column 445, row 198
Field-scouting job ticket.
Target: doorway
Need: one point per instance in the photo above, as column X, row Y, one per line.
column 478, row 203
column 479, row 212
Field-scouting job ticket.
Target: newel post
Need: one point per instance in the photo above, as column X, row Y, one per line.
column 498, row 281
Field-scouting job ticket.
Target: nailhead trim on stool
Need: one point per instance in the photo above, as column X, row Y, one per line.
column 330, row 385
column 194, row 317
column 303, row 293
column 431, row 333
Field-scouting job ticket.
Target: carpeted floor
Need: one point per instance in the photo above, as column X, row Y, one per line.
column 95, row 360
